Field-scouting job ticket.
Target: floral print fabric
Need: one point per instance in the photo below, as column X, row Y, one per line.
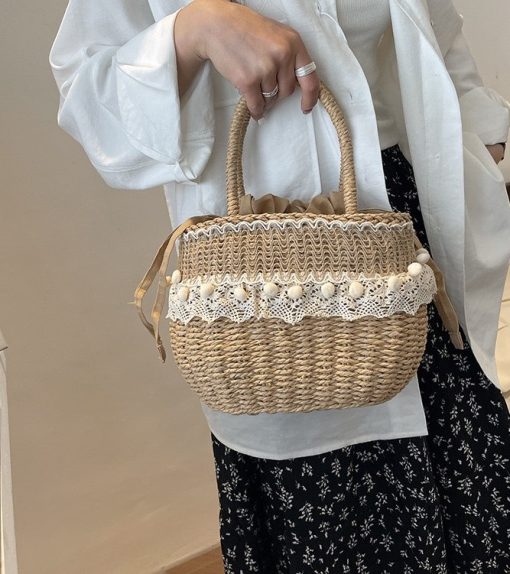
column 433, row 504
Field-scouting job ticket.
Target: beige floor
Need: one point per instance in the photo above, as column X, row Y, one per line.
column 503, row 344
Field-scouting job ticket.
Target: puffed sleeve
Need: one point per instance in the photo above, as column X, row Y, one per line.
column 115, row 68
column 484, row 111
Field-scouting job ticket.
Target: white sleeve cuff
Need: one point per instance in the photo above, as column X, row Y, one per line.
column 155, row 120
column 486, row 113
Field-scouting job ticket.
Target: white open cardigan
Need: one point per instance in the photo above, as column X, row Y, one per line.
column 114, row 64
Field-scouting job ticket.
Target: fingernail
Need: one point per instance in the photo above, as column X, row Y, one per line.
column 261, row 121
column 307, row 111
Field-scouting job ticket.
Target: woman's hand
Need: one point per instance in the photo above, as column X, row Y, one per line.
column 497, row 152
column 251, row 51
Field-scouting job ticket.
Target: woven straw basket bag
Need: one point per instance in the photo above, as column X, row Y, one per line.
column 297, row 310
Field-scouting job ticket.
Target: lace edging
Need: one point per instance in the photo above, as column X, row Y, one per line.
column 282, row 224
column 347, row 297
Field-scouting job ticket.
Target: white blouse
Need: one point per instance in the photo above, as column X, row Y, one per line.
column 364, row 23
column 115, row 66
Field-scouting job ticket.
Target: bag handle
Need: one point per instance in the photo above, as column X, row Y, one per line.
column 234, row 167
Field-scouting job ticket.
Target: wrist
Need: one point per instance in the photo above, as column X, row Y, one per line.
column 188, row 61
column 497, row 151
column 503, row 145
column 200, row 23
column 187, row 41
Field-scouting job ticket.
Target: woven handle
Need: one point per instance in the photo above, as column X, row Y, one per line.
column 234, row 166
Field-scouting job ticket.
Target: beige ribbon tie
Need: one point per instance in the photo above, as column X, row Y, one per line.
column 159, row 265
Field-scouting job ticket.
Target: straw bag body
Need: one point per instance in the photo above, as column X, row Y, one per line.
column 299, row 310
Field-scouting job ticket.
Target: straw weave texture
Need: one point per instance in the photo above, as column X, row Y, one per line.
column 270, row 366
column 301, row 250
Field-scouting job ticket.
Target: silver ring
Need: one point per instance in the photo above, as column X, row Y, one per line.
column 272, row 93
column 305, row 70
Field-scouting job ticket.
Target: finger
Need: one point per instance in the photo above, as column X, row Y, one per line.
column 267, row 85
column 254, row 100
column 309, row 84
column 287, row 79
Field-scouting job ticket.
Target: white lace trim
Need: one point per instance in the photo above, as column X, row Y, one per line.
column 378, row 299
column 282, row 224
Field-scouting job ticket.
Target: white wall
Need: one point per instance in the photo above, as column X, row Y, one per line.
column 111, row 459
column 9, row 561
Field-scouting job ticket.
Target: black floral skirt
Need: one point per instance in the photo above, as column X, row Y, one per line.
column 438, row 503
